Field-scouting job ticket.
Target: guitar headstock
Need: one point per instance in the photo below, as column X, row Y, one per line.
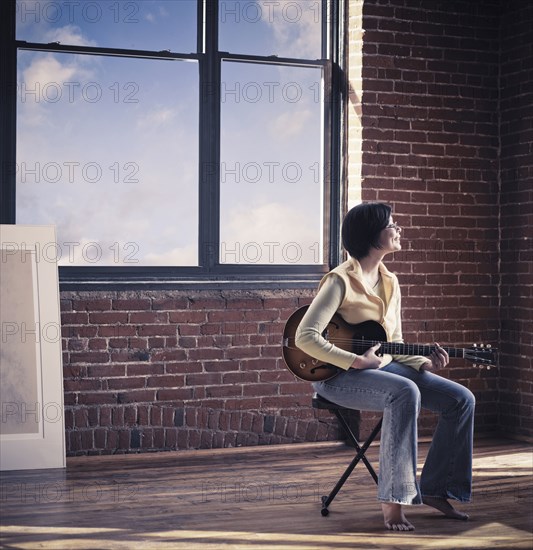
column 483, row 356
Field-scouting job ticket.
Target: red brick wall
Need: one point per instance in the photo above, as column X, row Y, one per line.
column 430, row 149
column 516, row 383
column 180, row 370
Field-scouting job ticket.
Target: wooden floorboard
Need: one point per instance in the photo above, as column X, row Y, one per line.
column 255, row 498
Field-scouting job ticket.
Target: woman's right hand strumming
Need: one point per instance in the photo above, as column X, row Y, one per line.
column 369, row 359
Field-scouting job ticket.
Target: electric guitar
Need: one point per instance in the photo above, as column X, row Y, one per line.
column 357, row 339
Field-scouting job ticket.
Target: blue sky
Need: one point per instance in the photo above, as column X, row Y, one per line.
column 108, row 147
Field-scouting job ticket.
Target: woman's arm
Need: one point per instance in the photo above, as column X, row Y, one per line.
column 309, row 333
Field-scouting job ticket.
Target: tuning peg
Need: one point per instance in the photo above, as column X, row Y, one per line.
column 489, row 346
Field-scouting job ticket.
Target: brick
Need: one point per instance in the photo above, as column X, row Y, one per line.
column 130, row 304
column 175, row 394
column 147, row 317
column 207, row 303
column 136, row 396
column 224, row 315
column 156, row 416
column 157, row 330
column 231, row 390
column 126, row 383
column 89, row 357
column 251, row 390
column 108, row 318
column 98, row 344
column 188, row 330
column 77, row 344
column 74, row 318
column 188, row 316
column 281, row 303
column 129, row 356
column 239, row 352
column 210, row 328
column 97, row 398
column 240, row 329
column 82, row 385
column 185, row 367
column 139, row 369
column 245, row 303
column 220, row 366
column 169, row 355
column 261, row 315
column 78, row 331
column 203, row 379
column 205, row 354
column 116, row 331
column 170, row 303
column 117, row 342
column 157, row 342
column 91, row 305
column 166, row 381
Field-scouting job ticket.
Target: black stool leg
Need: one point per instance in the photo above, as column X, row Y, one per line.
column 327, row 500
column 361, row 450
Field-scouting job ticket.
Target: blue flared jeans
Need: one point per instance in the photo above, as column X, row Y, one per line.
column 399, row 391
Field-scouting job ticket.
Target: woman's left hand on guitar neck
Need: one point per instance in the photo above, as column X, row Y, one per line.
column 437, row 360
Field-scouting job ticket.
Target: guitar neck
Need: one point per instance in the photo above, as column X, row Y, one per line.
column 395, row 348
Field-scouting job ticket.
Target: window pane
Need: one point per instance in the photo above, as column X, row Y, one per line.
column 285, row 28
column 107, row 149
column 138, row 24
column 271, row 165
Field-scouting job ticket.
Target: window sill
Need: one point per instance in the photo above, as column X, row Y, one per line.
column 268, row 282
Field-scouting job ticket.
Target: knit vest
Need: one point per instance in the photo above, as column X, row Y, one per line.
column 361, row 303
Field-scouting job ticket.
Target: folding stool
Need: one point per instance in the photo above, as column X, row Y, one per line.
column 339, row 411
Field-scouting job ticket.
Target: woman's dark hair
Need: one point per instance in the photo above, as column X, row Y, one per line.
column 361, row 227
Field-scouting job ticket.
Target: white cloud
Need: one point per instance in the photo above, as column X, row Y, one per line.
column 186, row 255
column 47, row 69
column 161, row 12
column 289, row 124
column 156, row 118
column 69, row 34
column 270, row 232
column 295, row 26
column 45, row 80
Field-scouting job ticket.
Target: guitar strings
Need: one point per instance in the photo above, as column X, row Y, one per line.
column 374, row 342
column 390, row 346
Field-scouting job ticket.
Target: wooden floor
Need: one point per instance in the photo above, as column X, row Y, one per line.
column 255, row 498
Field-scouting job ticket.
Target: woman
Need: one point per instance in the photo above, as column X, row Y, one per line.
column 362, row 289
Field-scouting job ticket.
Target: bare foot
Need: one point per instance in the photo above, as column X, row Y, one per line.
column 445, row 507
column 394, row 518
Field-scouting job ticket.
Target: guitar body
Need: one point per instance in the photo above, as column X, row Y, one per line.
column 344, row 335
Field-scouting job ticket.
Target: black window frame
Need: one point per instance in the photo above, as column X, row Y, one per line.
column 209, row 272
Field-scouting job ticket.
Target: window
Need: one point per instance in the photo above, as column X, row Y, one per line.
column 176, row 138
column 271, row 184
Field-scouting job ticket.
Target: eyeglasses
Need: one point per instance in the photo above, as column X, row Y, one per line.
column 393, row 226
